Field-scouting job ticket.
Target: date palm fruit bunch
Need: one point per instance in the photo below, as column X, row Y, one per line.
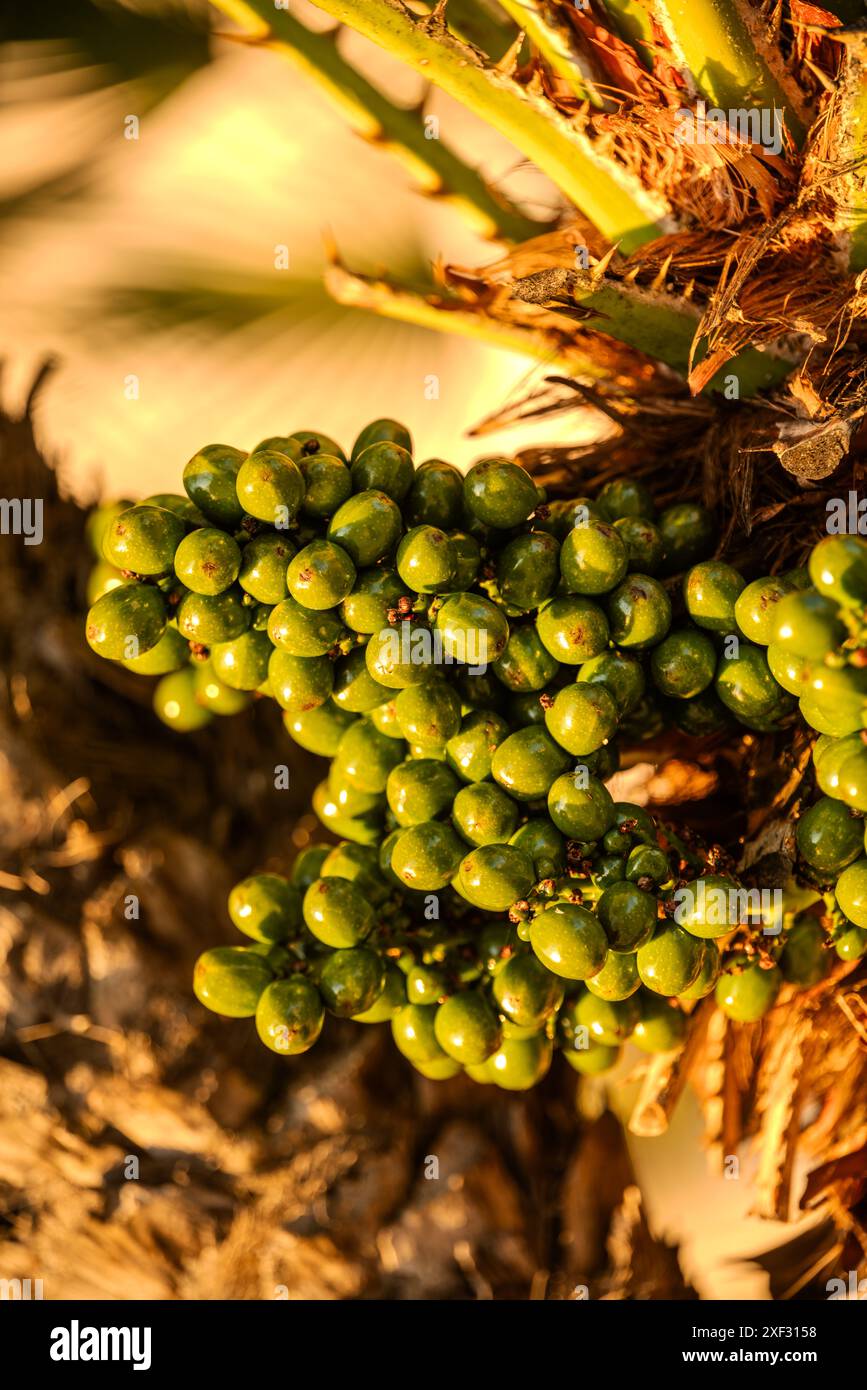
column 470, row 660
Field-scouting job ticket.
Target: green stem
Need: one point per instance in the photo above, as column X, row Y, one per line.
column 718, row 42
column 437, row 170
column 661, row 325
column 544, row 26
column 608, row 194
column 407, row 306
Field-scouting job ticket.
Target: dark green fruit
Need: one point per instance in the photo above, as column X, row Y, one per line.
column 526, row 992
column 484, row 815
column 360, row 865
column 661, row 1025
column 289, row 1016
column 618, row 978
column 745, row 991
column 100, row 519
column 426, row 560
column 851, row 892
column 580, row 806
column 242, row 664
column 308, row 865
column 620, row 673
column 593, row 1059
column 582, row 717
column 320, row 576
column 496, row 875
column 355, row 689
column 499, row 493
column 367, row 527
column 178, row 701
column 804, row 959
column 829, row 837
column 300, row 683
column 525, row 665
column 101, row 580
column 327, row 482
column 746, row 686
column 639, row 612
column 210, row 483
column 435, row 497
column 428, row 714
column 337, row 912
column 207, row 561
column 383, row 466
column 572, row 629
column 351, row 981
column 628, row 914
column 265, row 907
column 710, row 591
column 544, row 844
column 279, row 444
column 688, row 533
column 207, row 618
column 366, row 757
column 126, row 622
column 319, row 730
column 684, row 663
column 425, row 985
column 382, row 431
column 472, row 629
column 708, row 907
column 314, row 442
column 708, row 974
column 143, row 540
column 171, row 652
column 527, row 763
column 400, row 656
column 701, row 715
column 230, row 980
column 412, row 1028
column 348, row 799
column 851, row 944
column 270, row 487
column 470, row 752
column 466, row 1028
column 264, row 562
column 527, row 570
column 420, row 790
column 468, row 558
column 789, row 670
column 807, row 624
column 569, row 941
column 648, row 862
column 302, row 631
column 608, row 1021
column 625, row 497
column 593, row 558
column 519, row 1063
column 390, row 1002
column 852, row 778
column 363, row 829
column 670, row 961
column 645, row 551
column 374, row 594
column 838, row 569
column 426, row 857
column 756, row 608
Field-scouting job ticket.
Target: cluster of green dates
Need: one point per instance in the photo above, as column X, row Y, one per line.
column 470, row 658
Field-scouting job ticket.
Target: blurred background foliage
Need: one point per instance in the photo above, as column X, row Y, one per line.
column 156, row 259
